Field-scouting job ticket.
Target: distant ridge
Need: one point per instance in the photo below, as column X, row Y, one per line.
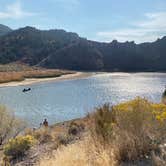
column 4, row 29
column 66, row 50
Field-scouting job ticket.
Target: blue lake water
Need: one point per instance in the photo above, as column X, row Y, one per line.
column 69, row 99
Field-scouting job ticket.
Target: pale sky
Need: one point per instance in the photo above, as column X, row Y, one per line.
column 100, row 20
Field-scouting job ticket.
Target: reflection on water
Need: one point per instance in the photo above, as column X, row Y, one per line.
column 65, row 100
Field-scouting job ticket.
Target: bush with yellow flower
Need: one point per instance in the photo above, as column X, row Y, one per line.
column 135, row 127
column 18, row 146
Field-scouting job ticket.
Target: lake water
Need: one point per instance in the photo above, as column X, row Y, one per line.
column 65, row 100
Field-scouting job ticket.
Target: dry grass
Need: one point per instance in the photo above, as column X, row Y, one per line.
column 15, row 67
column 10, row 126
column 10, row 76
column 42, row 135
column 132, row 129
column 83, row 153
column 125, row 133
column 159, row 159
column 19, row 72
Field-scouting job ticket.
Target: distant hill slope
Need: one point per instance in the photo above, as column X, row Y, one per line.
column 4, row 29
column 61, row 49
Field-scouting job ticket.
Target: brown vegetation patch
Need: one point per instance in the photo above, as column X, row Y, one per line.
column 19, row 72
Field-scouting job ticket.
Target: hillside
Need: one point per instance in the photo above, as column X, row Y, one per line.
column 66, row 50
column 4, row 29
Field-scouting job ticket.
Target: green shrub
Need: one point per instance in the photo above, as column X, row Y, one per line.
column 18, row 146
column 104, row 120
column 75, row 128
column 43, row 135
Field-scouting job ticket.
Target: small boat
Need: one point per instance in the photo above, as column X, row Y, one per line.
column 26, row 90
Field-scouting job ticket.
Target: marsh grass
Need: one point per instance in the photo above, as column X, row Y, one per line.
column 19, row 72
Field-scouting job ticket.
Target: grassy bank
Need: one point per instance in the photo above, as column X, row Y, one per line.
column 130, row 133
column 19, row 72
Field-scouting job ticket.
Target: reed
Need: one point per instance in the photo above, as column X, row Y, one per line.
column 19, row 72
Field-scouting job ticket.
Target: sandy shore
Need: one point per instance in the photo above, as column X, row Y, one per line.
column 30, row 81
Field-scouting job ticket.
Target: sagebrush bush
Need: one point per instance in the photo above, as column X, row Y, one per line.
column 65, row 139
column 75, row 128
column 18, row 146
column 10, row 126
column 103, row 121
column 129, row 131
column 133, row 128
column 43, row 135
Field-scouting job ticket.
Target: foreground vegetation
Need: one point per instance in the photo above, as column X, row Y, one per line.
column 130, row 133
column 19, row 72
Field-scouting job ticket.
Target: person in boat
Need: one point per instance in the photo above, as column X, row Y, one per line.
column 164, row 97
column 45, row 123
column 25, row 90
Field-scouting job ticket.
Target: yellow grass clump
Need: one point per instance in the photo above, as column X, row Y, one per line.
column 83, row 153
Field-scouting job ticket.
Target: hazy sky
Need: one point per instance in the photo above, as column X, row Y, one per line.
column 101, row 20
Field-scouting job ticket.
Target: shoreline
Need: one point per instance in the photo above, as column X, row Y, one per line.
column 31, row 81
